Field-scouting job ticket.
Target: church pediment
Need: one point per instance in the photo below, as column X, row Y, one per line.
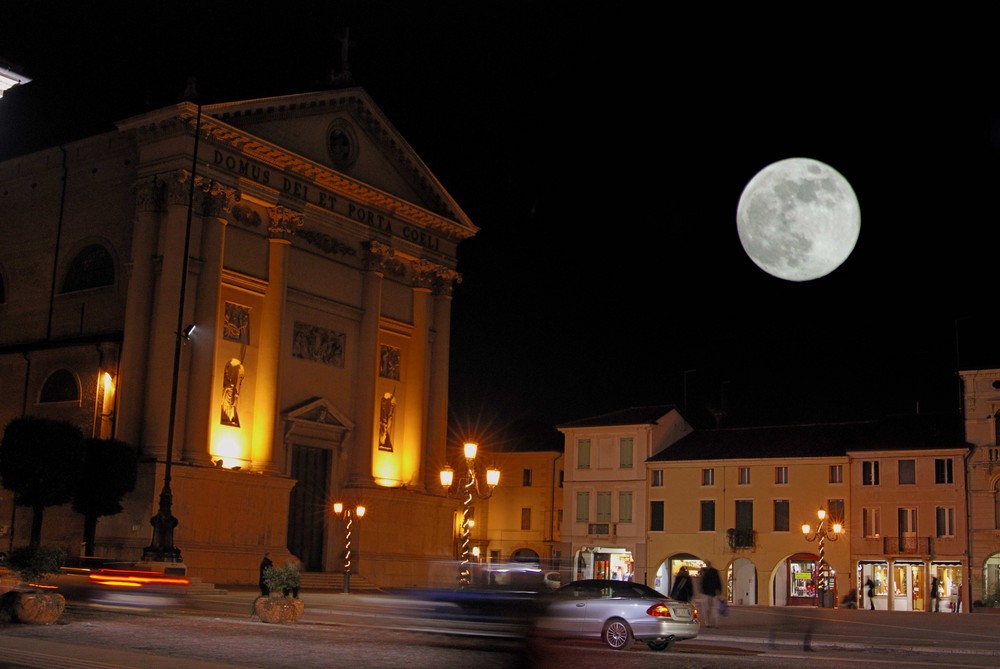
column 345, row 131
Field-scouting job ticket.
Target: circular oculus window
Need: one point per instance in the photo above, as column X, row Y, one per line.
column 341, row 144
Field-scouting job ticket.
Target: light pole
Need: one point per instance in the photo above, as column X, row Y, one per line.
column 822, row 534
column 347, row 514
column 161, row 548
column 469, row 483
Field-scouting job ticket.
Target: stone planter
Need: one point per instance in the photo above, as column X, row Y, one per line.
column 277, row 609
column 35, row 607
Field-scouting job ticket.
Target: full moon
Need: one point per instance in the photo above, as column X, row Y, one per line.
column 798, row 219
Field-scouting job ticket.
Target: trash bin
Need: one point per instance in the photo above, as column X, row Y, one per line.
column 826, row 599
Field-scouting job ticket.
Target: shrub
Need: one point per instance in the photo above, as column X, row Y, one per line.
column 282, row 579
column 992, row 600
column 34, row 563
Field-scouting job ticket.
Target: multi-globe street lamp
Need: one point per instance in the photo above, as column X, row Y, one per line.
column 822, row 533
column 348, row 513
column 468, row 483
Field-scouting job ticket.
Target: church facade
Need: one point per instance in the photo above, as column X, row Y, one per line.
column 256, row 296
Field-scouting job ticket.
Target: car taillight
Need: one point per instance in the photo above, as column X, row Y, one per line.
column 134, row 579
column 659, row 611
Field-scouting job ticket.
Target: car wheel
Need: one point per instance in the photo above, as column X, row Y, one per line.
column 617, row 634
column 660, row 644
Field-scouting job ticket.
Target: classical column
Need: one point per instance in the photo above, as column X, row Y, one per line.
column 360, row 460
column 416, row 364
column 213, row 202
column 435, row 446
column 166, row 302
column 283, row 223
column 150, row 196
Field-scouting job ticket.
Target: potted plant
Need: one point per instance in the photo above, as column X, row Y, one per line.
column 31, row 601
column 283, row 604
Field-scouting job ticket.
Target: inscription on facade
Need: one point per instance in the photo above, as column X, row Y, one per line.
column 299, row 190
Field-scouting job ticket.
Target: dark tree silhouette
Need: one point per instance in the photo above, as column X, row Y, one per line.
column 41, row 461
column 109, row 473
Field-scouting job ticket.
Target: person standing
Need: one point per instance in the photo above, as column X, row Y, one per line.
column 711, row 588
column 265, row 564
column 934, row 593
column 871, row 593
column 683, row 589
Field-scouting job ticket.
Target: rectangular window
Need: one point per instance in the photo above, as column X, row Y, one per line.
column 707, row 516
column 708, row 477
column 907, row 472
column 583, row 454
column 781, row 515
column 945, row 521
column 625, row 453
column 582, row 507
column 943, row 472
column 836, row 473
column 744, row 515
column 526, row 519
column 869, row 472
column 625, row 507
column 744, row 476
column 604, row 507
column 656, row 478
column 781, row 475
column 656, row 516
column 835, row 511
column 526, row 478
column 871, row 523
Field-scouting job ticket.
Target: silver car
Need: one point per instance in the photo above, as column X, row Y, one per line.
column 618, row 612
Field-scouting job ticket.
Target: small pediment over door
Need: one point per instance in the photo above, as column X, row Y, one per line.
column 316, row 422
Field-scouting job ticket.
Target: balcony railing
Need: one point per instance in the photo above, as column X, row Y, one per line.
column 906, row 545
column 741, row 539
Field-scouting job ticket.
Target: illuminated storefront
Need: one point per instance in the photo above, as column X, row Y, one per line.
column 907, row 586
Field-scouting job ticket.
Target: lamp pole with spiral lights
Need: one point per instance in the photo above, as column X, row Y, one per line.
column 465, row 486
column 348, row 514
column 822, row 534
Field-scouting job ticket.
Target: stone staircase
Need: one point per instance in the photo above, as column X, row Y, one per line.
column 334, row 582
column 311, row 582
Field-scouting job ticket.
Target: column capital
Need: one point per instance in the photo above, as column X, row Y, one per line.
column 376, row 255
column 216, row 200
column 150, row 195
column 283, row 222
column 178, row 189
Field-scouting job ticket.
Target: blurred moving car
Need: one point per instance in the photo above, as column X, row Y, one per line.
column 109, row 583
column 618, row 612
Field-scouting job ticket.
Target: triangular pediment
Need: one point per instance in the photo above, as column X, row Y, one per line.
column 345, row 131
column 316, row 421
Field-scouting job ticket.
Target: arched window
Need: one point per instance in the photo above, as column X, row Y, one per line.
column 91, row 268
column 61, row 386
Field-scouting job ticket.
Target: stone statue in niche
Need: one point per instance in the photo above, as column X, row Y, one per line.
column 386, row 412
column 232, row 381
column 235, row 328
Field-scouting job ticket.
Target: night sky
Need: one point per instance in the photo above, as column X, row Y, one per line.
column 602, row 153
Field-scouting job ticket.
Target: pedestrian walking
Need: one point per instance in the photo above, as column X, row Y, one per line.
column 265, row 564
column 711, row 588
column 871, row 593
column 683, row 589
column 935, row 593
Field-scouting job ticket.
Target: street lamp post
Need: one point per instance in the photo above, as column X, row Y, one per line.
column 822, row 534
column 348, row 514
column 469, row 483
